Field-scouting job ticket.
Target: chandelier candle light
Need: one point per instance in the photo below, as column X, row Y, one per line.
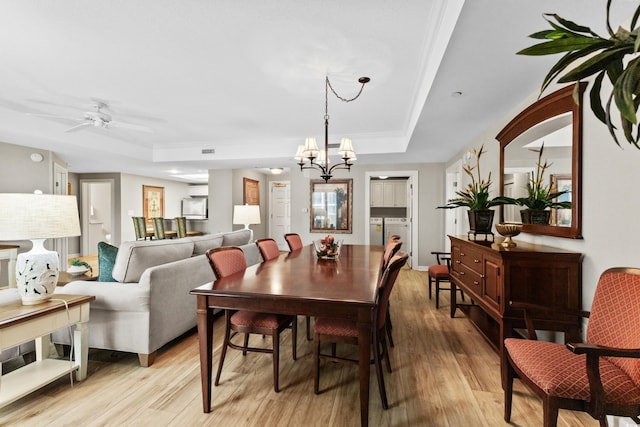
column 37, row 217
column 320, row 159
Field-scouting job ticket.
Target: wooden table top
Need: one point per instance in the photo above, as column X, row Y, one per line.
column 299, row 275
column 14, row 312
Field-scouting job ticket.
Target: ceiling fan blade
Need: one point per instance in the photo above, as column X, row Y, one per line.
column 130, row 126
column 53, row 116
column 78, row 127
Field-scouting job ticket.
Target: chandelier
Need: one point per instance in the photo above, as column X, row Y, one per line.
column 308, row 155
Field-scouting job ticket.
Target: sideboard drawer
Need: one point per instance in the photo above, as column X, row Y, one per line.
column 471, row 258
column 470, row 279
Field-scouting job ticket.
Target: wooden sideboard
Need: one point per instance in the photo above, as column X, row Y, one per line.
column 492, row 276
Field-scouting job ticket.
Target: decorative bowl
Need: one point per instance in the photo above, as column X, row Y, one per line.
column 77, row 270
column 327, row 248
column 508, row 230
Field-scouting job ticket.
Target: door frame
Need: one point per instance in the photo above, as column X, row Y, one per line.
column 412, row 207
column 86, row 214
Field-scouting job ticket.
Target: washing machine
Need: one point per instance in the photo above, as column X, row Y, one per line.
column 376, row 236
column 399, row 226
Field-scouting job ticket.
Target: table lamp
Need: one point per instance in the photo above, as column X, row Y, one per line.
column 246, row 214
column 37, row 217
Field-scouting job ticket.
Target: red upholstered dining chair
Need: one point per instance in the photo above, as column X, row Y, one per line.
column 393, row 245
column 440, row 273
column 268, row 249
column 600, row 377
column 330, row 330
column 229, row 260
column 294, row 241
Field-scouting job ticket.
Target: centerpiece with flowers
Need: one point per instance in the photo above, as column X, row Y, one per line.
column 328, row 248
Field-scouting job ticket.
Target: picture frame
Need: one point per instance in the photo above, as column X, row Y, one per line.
column 331, row 206
column 152, row 202
column 250, row 191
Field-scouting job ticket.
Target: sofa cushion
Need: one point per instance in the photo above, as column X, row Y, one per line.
column 201, row 244
column 236, row 238
column 106, row 259
column 135, row 257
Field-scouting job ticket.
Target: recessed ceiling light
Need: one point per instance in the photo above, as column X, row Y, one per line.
column 276, row 171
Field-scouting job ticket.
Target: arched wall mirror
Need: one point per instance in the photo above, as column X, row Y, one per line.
column 556, row 122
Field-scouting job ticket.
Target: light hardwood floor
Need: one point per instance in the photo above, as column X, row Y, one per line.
column 445, row 374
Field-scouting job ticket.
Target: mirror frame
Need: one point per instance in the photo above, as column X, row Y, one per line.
column 344, row 184
column 559, row 102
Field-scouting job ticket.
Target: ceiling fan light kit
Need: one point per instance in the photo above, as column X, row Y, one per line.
column 320, row 159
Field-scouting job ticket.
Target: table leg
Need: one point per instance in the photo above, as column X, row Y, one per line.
column 364, row 362
column 81, row 349
column 205, row 345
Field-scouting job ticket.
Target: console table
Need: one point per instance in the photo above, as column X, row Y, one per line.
column 492, row 276
column 21, row 323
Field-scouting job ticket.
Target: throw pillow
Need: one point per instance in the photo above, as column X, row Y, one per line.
column 106, row 258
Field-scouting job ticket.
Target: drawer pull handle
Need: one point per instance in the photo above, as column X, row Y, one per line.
column 462, row 273
column 476, row 261
column 457, row 261
column 461, row 253
column 482, row 276
column 475, row 282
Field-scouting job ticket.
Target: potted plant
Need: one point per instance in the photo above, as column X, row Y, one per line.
column 79, row 267
column 540, row 196
column 606, row 57
column 476, row 197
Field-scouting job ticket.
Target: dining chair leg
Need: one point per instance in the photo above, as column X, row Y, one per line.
column 376, row 358
column 294, row 337
column 276, row 360
column 316, row 365
column 437, row 293
column 223, row 352
column 385, row 352
column 387, row 328
column 246, row 344
column 333, row 349
column 309, row 337
column 430, row 282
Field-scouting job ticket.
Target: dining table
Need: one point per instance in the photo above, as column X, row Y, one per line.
column 298, row 283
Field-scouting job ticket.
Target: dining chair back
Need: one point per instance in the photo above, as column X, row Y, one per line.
column 140, row 227
column 393, row 245
column 159, row 231
column 294, row 241
column 181, row 226
column 268, row 249
column 600, row 377
column 336, row 330
column 229, row 260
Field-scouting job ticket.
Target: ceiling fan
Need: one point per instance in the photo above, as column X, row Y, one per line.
column 96, row 118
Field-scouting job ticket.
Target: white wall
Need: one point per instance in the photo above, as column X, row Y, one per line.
column 610, row 201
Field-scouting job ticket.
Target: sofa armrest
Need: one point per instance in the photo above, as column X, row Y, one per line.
column 110, row 296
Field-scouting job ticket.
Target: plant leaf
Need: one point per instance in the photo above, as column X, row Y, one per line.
column 623, row 90
column 572, row 25
column 595, row 100
column 565, row 61
column 566, row 44
column 594, row 64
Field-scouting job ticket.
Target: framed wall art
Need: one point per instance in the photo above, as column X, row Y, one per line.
column 251, row 191
column 152, row 202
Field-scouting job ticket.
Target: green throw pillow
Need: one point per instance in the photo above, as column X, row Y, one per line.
column 106, row 258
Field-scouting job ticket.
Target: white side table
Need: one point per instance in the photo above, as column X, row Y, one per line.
column 21, row 323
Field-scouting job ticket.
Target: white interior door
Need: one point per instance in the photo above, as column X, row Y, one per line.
column 280, row 212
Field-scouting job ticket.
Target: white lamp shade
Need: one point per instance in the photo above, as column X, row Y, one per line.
column 310, row 148
column 246, row 214
column 38, row 216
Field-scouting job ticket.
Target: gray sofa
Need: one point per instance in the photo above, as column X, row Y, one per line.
column 150, row 304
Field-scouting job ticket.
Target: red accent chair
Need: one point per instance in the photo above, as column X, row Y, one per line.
column 600, row 377
column 330, row 330
column 229, row 260
column 440, row 273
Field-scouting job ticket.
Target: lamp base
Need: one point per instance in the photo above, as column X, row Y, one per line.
column 37, row 274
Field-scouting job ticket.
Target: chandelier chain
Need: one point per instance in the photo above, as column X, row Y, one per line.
column 326, row 95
